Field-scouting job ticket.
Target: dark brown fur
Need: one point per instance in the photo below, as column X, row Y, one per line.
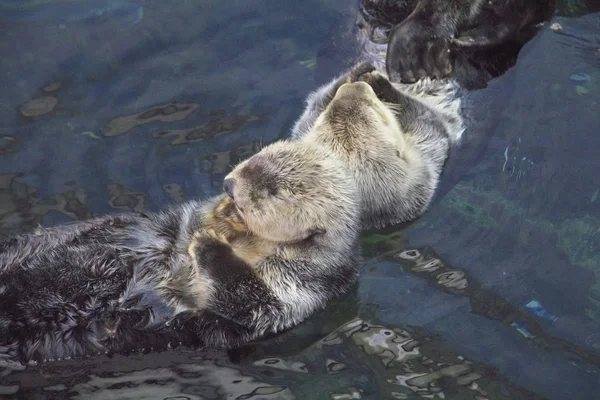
column 192, row 274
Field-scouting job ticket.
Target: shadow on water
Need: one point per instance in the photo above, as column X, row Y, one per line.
column 493, row 294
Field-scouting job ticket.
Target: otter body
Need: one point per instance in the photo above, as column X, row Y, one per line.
column 393, row 138
column 197, row 274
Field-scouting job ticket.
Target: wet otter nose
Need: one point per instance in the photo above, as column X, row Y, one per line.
column 228, row 186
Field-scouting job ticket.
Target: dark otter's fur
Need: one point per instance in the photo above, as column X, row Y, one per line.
column 197, row 274
column 473, row 39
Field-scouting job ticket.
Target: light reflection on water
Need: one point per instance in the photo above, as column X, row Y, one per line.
column 494, row 293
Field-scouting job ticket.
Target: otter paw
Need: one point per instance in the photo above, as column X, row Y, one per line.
column 208, row 246
column 359, row 70
column 202, row 240
column 418, row 49
column 373, row 78
column 377, row 81
column 210, row 234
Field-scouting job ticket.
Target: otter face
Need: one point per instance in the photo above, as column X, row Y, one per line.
column 359, row 121
column 290, row 191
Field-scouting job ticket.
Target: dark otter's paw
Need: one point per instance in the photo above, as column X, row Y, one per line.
column 360, row 70
column 416, row 50
column 380, row 84
column 374, row 79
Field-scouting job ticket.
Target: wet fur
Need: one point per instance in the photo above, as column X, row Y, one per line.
column 193, row 274
column 471, row 40
column 226, row 221
column 397, row 169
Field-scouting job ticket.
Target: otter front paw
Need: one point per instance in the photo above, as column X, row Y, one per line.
column 381, row 85
column 375, row 79
column 210, row 234
column 417, row 50
column 208, row 245
column 359, row 70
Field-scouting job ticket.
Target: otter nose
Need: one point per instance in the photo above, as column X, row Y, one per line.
column 228, row 186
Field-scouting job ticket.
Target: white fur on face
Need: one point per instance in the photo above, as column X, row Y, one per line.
column 361, row 124
column 292, row 190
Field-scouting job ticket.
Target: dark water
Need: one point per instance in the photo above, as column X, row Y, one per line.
column 493, row 294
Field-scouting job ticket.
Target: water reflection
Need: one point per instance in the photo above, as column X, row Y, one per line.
column 428, row 265
column 208, row 130
column 22, row 209
column 125, row 199
column 165, row 113
column 357, row 360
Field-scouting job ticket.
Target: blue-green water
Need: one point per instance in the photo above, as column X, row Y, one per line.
column 493, row 294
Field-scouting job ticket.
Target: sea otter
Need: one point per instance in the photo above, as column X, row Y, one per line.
column 396, row 137
column 393, row 138
column 215, row 273
column 474, row 40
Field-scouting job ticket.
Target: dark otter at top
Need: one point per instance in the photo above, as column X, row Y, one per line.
column 433, row 38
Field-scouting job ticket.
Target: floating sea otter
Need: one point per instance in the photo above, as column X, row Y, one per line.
column 207, row 273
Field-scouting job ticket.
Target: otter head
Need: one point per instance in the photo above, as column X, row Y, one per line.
column 358, row 120
column 291, row 191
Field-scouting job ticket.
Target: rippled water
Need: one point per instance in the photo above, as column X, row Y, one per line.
column 493, row 294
